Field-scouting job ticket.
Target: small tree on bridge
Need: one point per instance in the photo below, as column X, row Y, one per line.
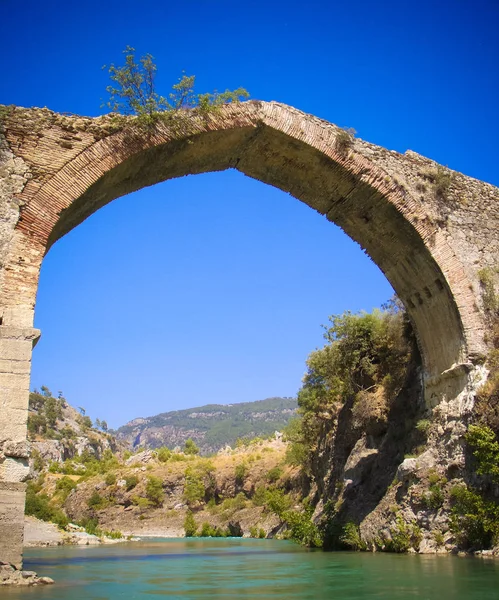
column 133, row 91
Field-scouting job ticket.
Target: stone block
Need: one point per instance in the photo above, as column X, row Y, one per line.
column 16, row 367
column 14, row 469
column 17, row 449
column 13, row 423
column 16, row 381
column 15, row 349
column 12, row 398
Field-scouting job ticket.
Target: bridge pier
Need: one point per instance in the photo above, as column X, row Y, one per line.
column 16, row 344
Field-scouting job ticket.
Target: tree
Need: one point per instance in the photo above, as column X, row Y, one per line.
column 154, row 490
column 190, row 447
column 133, row 91
column 194, row 490
column 190, row 526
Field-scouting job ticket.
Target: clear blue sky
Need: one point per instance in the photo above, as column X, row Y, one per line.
column 212, row 288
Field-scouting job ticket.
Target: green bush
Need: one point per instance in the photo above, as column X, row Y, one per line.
column 39, row 506
column 110, row 479
column 65, row 486
column 133, row 92
column 194, row 489
column 274, row 474
column 96, row 501
column 190, row 447
column 163, row 454
column 485, row 447
column 130, row 482
column 231, row 505
column 190, row 527
column 474, row 520
column 302, row 529
column 277, row 501
column 241, row 472
column 154, row 490
column 352, row 538
column 91, row 525
column 403, row 537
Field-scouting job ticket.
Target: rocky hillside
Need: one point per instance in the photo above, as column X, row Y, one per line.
column 59, row 432
column 212, row 427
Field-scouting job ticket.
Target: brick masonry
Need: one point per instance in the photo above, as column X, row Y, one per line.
column 431, row 239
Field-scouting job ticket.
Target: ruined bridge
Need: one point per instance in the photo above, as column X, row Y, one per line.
column 432, row 232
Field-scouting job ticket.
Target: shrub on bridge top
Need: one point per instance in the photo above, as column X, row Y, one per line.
column 133, row 92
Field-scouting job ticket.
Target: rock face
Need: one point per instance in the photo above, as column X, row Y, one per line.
column 432, row 231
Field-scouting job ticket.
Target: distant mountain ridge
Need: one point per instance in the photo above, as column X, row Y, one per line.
column 212, row 426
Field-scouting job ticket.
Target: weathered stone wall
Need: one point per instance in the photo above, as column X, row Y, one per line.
column 57, row 170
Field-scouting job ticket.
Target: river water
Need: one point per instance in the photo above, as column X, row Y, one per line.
column 242, row 568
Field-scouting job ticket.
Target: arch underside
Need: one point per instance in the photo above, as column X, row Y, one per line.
column 365, row 214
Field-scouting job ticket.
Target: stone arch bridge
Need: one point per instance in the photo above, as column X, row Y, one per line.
column 430, row 230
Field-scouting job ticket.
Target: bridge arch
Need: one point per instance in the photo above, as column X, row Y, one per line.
column 301, row 155
column 67, row 167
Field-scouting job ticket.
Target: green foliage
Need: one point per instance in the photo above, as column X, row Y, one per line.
column 302, row 529
column 487, row 278
column 474, row 520
column 65, row 486
column 164, row 454
column 194, row 490
column 190, row 447
column 39, row 506
column 85, row 422
column 190, row 527
column 110, row 479
column 439, row 538
column 130, row 482
column 274, row 474
column 241, row 472
column 352, row 538
column 38, row 462
column 485, row 447
column 344, row 139
column 366, row 359
column 113, row 534
column 96, row 501
column 423, row 426
column 435, row 496
column 231, row 505
column 91, row 525
column 141, row 502
column 297, row 450
column 154, row 490
column 37, row 424
column 134, row 91
column 277, row 501
column 208, row 531
column 403, row 537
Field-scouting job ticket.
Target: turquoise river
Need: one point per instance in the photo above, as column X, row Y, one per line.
column 241, row 568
